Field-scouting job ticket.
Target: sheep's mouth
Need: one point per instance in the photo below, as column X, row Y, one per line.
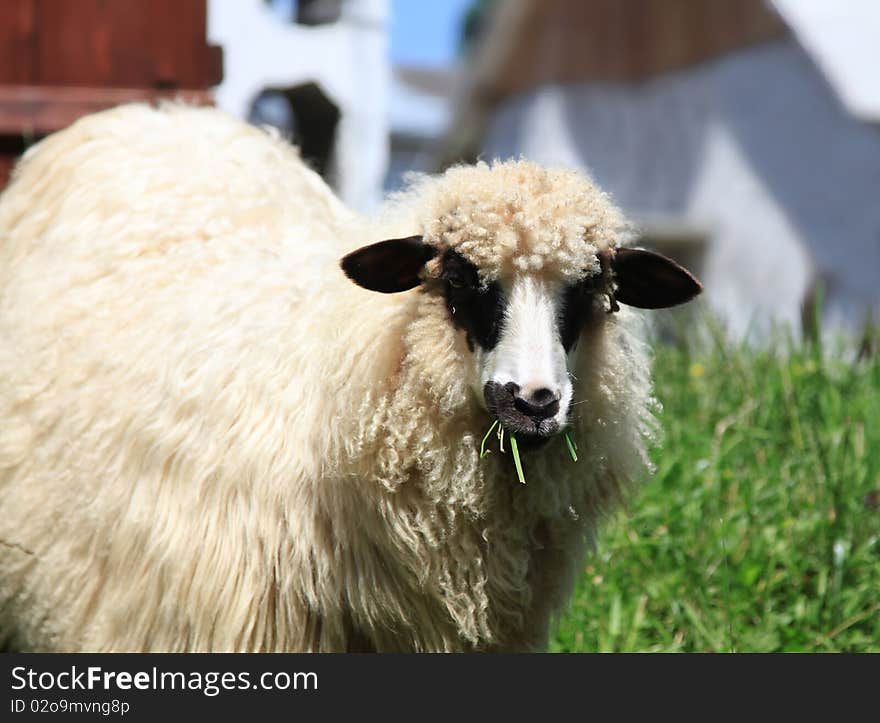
column 531, row 432
column 529, row 441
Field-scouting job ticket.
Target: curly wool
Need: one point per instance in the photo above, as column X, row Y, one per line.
column 513, row 217
column 212, row 440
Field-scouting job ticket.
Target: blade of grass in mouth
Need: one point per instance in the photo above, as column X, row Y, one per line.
column 572, row 450
column 515, row 449
column 483, row 450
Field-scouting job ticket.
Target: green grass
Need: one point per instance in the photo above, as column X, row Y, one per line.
column 760, row 530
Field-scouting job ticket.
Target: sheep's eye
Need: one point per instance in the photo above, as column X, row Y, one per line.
column 458, row 273
column 455, row 279
column 577, row 305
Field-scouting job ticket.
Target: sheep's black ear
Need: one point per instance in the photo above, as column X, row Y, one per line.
column 388, row 266
column 649, row 280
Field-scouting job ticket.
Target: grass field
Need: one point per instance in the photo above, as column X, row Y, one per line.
column 761, row 528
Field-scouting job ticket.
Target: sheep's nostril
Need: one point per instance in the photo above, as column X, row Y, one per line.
column 543, row 397
column 540, row 404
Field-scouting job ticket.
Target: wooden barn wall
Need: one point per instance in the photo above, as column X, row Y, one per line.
column 60, row 60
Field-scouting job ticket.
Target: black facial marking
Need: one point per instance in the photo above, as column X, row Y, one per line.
column 578, row 307
column 475, row 307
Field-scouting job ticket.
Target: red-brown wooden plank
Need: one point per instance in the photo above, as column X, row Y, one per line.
column 178, row 32
column 17, row 41
column 77, row 40
column 44, row 109
column 121, row 43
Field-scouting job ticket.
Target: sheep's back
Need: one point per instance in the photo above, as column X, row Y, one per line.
column 161, row 275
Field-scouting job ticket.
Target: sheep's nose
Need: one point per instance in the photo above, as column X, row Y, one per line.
column 537, row 402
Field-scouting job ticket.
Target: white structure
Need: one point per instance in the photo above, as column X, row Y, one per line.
column 419, row 117
column 842, row 39
column 348, row 59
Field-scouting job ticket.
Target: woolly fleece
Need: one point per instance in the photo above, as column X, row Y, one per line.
column 211, row 440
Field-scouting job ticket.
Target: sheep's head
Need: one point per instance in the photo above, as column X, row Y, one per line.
column 525, row 259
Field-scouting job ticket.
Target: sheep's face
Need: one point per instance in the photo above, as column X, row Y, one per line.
column 520, row 331
column 522, row 327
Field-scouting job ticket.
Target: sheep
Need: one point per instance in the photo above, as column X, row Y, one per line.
column 237, row 416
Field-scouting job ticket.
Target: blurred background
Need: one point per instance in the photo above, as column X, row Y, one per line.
column 742, row 137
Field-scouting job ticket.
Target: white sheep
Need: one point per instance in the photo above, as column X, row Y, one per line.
column 211, row 439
